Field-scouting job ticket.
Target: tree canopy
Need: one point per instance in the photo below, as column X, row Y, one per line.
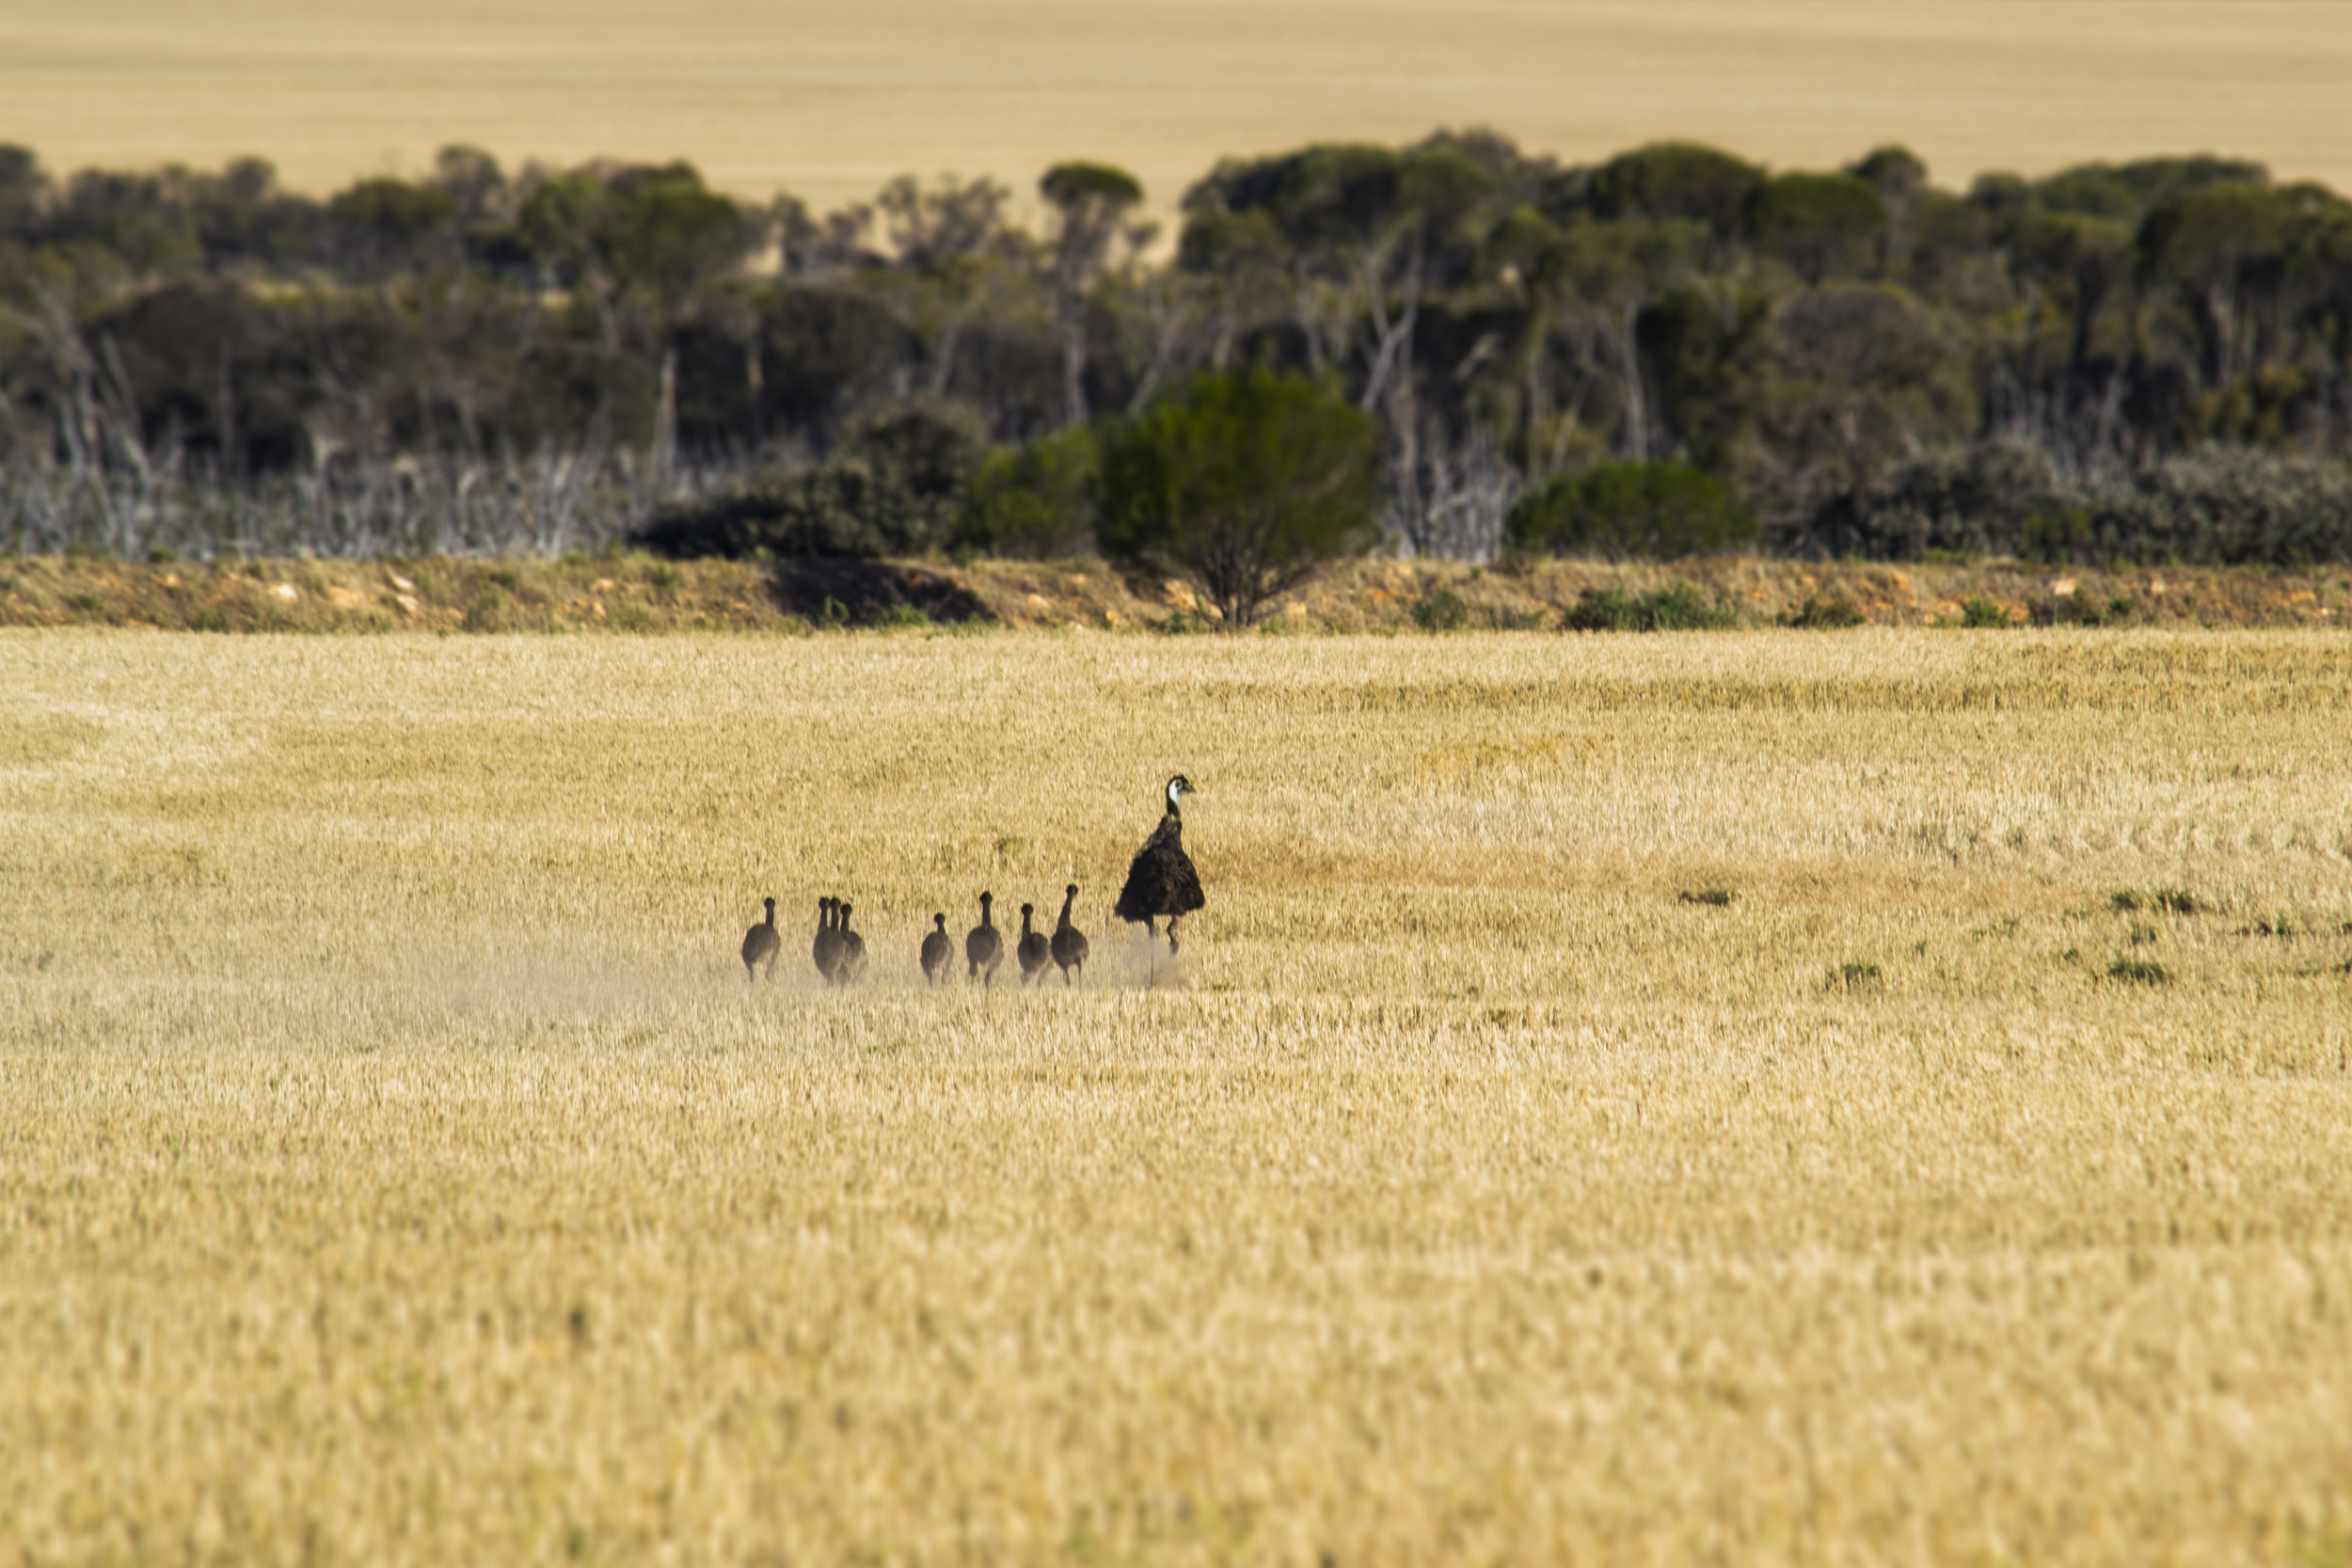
column 1504, row 319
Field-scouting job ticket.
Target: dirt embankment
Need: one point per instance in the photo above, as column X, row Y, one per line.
column 637, row 595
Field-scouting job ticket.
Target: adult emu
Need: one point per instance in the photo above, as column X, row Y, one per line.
column 1161, row 880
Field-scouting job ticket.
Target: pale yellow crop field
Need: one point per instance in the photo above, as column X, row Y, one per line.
column 830, row 100
column 396, row 1167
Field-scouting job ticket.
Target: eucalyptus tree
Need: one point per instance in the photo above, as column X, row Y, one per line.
column 1093, row 205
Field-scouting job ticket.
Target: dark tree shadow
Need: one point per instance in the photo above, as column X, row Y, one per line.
column 849, row 593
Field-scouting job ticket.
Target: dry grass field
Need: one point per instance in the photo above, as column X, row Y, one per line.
column 396, row 1167
column 829, row 101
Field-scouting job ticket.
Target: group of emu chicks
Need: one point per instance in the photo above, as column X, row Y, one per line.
column 1161, row 883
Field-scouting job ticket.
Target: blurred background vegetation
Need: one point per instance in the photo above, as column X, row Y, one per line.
column 1675, row 350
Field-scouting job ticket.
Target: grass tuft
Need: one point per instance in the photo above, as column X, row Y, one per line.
column 2138, row 972
column 1714, row 897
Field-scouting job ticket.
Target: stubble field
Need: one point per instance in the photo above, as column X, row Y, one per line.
column 396, row 1167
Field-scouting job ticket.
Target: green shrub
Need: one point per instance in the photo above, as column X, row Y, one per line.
column 2176, row 900
column 1984, row 614
column 1714, row 897
column 1826, row 615
column 1854, row 976
column 1248, row 484
column 2138, row 972
column 1678, row 606
column 1034, row 501
column 1441, row 610
column 488, row 610
column 1630, row 511
column 2213, row 507
column 897, row 485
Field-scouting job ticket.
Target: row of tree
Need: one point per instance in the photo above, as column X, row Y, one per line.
column 1508, row 324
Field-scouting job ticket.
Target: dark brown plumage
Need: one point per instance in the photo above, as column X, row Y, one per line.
column 826, row 949
column 1070, row 944
column 1161, row 880
column 938, row 952
column 983, row 948
column 853, row 964
column 761, row 944
column 1035, row 952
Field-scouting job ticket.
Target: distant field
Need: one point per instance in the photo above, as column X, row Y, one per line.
column 1755, row 1097
column 829, row 100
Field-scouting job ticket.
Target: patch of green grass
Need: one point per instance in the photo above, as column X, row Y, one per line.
column 1714, row 897
column 1678, row 606
column 2138, row 972
column 665, row 577
column 2271, row 926
column 2176, row 900
column 902, row 615
column 2127, row 900
column 1854, row 975
column 2001, row 925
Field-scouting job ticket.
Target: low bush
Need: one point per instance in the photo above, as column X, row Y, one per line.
column 1678, row 606
column 1440, row 609
column 1985, row 614
column 2213, row 507
column 897, row 485
column 1826, row 615
column 1630, row 511
column 1034, row 501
